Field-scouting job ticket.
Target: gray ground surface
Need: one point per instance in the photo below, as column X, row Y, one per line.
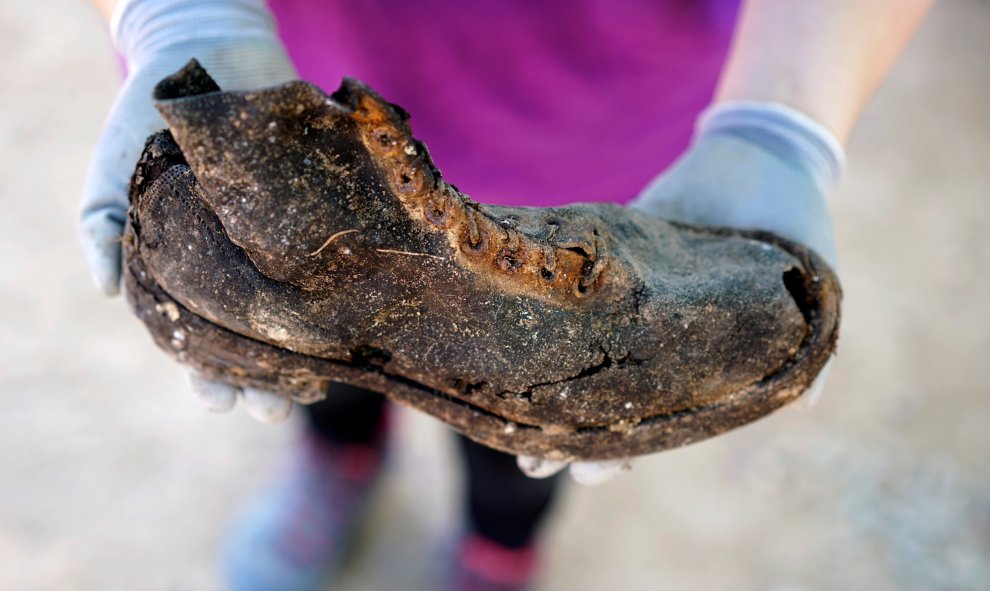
column 111, row 477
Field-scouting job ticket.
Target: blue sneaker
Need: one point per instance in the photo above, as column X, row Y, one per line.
column 296, row 535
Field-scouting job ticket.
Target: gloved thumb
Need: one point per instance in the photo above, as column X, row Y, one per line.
column 101, row 224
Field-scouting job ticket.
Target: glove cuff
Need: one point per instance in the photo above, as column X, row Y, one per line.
column 140, row 29
column 782, row 130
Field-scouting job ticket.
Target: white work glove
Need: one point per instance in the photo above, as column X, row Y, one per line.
column 236, row 42
column 752, row 166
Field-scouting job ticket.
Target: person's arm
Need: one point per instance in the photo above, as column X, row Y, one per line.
column 770, row 148
column 106, row 8
column 237, row 42
column 824, row 58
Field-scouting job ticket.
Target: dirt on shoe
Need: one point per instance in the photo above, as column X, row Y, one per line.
column 283, row 239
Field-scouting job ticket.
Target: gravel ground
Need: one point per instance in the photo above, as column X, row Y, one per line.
column 113, row 478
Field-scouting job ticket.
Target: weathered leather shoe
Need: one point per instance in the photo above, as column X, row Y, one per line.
column 284, row 238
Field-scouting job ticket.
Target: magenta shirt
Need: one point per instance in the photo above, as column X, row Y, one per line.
column 526, row 102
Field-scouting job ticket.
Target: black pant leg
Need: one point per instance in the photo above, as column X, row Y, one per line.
column 348, row 415
column 503, row 504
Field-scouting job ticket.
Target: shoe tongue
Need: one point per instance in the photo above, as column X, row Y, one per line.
column 286, row 171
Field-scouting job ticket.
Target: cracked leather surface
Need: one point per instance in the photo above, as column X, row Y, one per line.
column 284, row 238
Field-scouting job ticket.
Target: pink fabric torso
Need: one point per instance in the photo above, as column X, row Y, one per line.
column 522, row 102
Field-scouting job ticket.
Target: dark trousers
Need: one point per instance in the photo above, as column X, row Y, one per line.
column 502, row 504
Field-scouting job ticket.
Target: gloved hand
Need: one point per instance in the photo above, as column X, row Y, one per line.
column 236, row 42
column 753, row 166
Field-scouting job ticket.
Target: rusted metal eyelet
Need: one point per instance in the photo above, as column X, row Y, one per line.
column 409, row 181
column 436, row 210
column 509, row 261
column 480, row 245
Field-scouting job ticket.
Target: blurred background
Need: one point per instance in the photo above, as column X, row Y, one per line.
column 112, row 477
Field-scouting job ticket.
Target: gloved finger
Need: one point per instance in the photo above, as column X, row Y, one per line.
column 539, row 467
column 215, row 396
column 814, row 392
column 100, row 238
column 594, row 473
column 267, row 407
column 104, row 196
